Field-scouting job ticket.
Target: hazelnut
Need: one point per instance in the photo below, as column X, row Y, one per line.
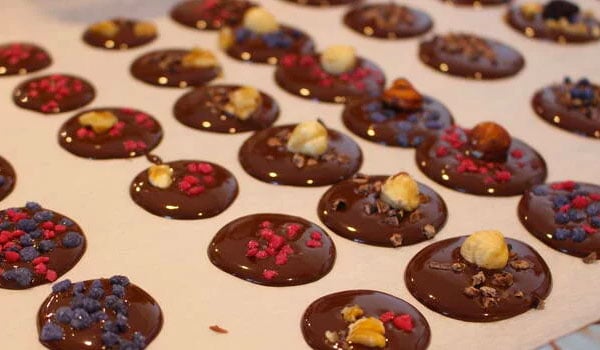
column 489, row 141
column 401, row 192
column 308, row 138
column 338, row 59
column 486, row 249
column 243, row 102
column 260, row 21
column 160, row 176
column 99, row 121
column 531, row 9
column 351, row 313
column 403, row 95
column 199, row 58
column 107, row 29
column 144, row 29
column 368, row 331
column 226, row 38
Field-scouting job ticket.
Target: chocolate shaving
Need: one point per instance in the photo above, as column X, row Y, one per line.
column 503, row 279
column 521, row 264
column 338, row 205
column 218, row 329
column 396, row 239
column 478, row 279
column 429, row 231
column 591, row 258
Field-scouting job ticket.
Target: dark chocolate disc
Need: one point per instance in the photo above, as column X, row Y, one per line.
column 571, row 106
column 273, row 250
column 565, row 216
column 447, row 161
column 165, row 68
column 267, row 48
column 120, row 34
column 8, row 177
column 302, row 75
column 97, row 315
column 470, row 56
column 322, row 3
column 39, row 245
column 205, row 108
column 325, row 315
column 373, row 120
column 529, row 20
column 210, row 14
column 442, row 280
column 265, row 157
column 199, row 190
column 56, row 93
column 22, row 58
column 135, row 133
column 353, row 210
column 476, row 3
column 388, row 20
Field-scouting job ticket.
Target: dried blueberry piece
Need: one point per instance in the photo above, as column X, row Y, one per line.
column 121, row 280
column 33, row 206
column 99, row 316
column 29, row 253
column 562, row 233
column 404, row 125
column 14, row 248
column 434, row 124
column 109, row 326
column 561, row 218
column 122, row 323
column 560, row 201
column 50, row 332
column 77, row 301
column 372, row 107
column 402, row 140
column 241, row 34
column 593, row 209
column 118, row 290
column 413, row 118
column 4, row 225
column 417, row 140
column 35, row 234
column 61, row 286
column 26, row 240
column 127, row 345
column 110, row 339
column 72, row 239
column 27, row 225
column 96, row 293
column 557, row 9
column 96, row 284
column 139, row 339
column 21, row 275
column 43, row 215
column 595, row 222
column 584, row 82
column 377, row 117
column 114, row 303
column 577, row 215
column 81, row 319
column 91, row 305
column 64, row 314
column 78, row 288
column 66, row 222
column 46, row 246
column 579, row 235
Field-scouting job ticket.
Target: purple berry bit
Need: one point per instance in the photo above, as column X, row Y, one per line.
column 110, row 339
column 33, row 206
column 26, row 225
column 559, row 201
column 21, row 275
column 579, row 235
column 577, row 215
column 139, row 339
column 593, row 209
column 64, row 314
column 26, row 240
column 4, row 225
column 50, row 332
column 562, row 233
column 109, row 326
column 96, row 293
column 46, row 246
column 81, row 319
column 91, row 305
column 120, row 280
column 43, row 215
column 561, row 218
column 66, row 222
column 118, row 290
column 122, row 323
column 28, row 253
column 78, row 288
column 540, row 190
column 72, row 239
column 96, row 284
column 35, row 234
column 61, row 286
column 127, row 345
column 595, row 222
column 99, row 316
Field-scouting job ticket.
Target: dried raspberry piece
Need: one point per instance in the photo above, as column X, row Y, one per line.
column 580, row 202
column 404, row 322
column 270, row 274
column 387, row 316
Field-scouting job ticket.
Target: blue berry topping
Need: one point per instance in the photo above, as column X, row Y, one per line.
column 64, row 314
column 579, row 234
column 562, row 233
column 118, row 290
column 61, row 286
column 110, row 339
column 72, row 239
column 561, row 218
column 46, row 246
column 50, row 332
column 26, row 240
column 28, row 253
column 27, row 225
column 81, row 319
column 120, row 280
column 33, row 206
column 21, row 275
column 43, row 215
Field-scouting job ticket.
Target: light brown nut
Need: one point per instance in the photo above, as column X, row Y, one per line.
column 308, row 138
column 486, row 249
column 99, row 121
column 261, row 21
column 107, row 29
column 401, row 191
column 199, row 58
column 243, row 102
column 160, row 176
column 338, row 59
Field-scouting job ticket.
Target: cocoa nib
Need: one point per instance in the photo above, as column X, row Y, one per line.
column 591, row 258
column 396, row 239
column 521, row 264
column 488, row 301
column 478, row 279
column 429, row 231
column 503, row 279
column 338, row 205
column 488, row 292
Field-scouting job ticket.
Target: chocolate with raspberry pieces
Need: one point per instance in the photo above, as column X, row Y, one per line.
column 22, row 58
column 476, row 3
column 322, row 3
column 120, row 34
column 8, row 177
column 273, row 250
column 388, row 20
column 210, row 14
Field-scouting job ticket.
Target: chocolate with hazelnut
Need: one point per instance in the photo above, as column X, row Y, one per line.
column 489, row 141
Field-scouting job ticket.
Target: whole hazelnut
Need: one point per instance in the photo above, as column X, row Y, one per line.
column 402, row 95
column 489, row 141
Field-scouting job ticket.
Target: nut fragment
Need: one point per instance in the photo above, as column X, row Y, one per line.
column 261, row 21
column 160, row 176
column 99, row 121
column 401, row 192
column 368, row 331
column 521, row 264
column 226, row 38
column 107, row 29
column 338, row 59
column 531, row 9
column 199, row 58
column 351, row 313
column 486, row 249
column 429, row 231
column 332, row 337
column 308, row 138
column 144, row 29
column 396, row 239
column 403, row 95
column 489, row 141
column 243, row 102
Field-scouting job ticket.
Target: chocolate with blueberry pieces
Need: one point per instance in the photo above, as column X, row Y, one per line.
column 484, row 161
column 386, row 211
column 210, row 14
column 565, row 216
column 470, row 56
column 570, row 105
column 387, row 20
column 556, row 20
column 476, row 3
column 100, row 314
column 484, row 277
column 400, row 116
column 306, row 154
column 22, row 58
column 37, row 246
column 120, row 34
column 323, row 3
column 8, row 178
column 335, row 75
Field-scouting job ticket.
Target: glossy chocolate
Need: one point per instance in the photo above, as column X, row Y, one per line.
column 442, row 290
column 303, row 76
column 47, row 242
column 471, row 56
column 210, row 14
column 447, row 161
column 220, row 189
column 136, row 133
column 563, row 217
column 308, row 260
column 373, row 120
column 8, row 178
column 22, row 58
column 203, row 109
column 275, row 164
column 388, row 20
column 56, row 93
column 323, row 3
column 324, row 314
column 268, row 48
column 164, row 68
column 144, row 316
column 555, row 105
column 477, row 3
column 343, row 209
column 131, row 33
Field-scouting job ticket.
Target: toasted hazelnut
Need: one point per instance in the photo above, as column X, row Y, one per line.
column 351, row 313
column 368, row 331
column 402, row 95
column 332, row 337
column 160, row 176
column 401, row 192
column 531, row 9
column 338, row 59
column 308, row 138
column 489, row 141
column 486, row 249
column 99, row 121
column 144, row 29
column 243, row 102
column 107, row 29
column 259, row 20
column 226, row 38
column 199, row 58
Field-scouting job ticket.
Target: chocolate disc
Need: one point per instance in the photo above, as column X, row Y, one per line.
column 267, row 48
column 206, row 108
column 388, row 21
column 442, row 280
column 322, row 3
column 56, row 93
column 325, row 315
column 445, row 161
column 470, row 56
column 210, row 14
column 8, row 177
column 565, row 216
column 265, row 157
column 165, row 68
column 570, row 106
column 22, row 58
column 353, row 210
column 133, row 134
column 199, row 190
column 97, row 315
column 273, row 250
column 39, row 246
column 373, row 120
column 476, row 3
column 302, row 75
column 120, row 34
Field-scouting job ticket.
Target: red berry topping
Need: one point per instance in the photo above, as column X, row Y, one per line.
column 386, row 317
column 404, row 322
